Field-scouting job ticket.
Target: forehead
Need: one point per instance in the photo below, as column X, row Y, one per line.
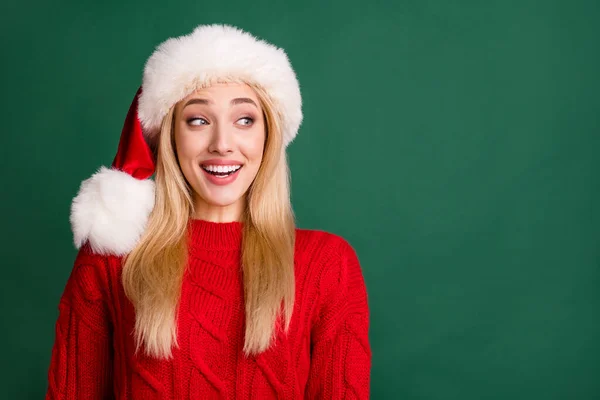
column 224, row 92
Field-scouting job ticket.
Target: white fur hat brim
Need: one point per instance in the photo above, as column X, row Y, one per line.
column 213, row 53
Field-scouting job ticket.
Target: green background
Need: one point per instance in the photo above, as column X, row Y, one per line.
column 454, row 144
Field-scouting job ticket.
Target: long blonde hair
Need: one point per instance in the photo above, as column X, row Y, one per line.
column 153, row 270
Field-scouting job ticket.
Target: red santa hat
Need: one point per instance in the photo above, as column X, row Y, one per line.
column 112, row 207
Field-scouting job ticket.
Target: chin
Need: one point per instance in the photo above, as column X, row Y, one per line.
column 220, row 202
column 220, row 196
column 220, row 199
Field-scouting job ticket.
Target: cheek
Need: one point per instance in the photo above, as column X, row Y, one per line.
column 187, row 148
column 254, row 148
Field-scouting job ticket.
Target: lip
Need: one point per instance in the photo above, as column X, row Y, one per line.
column 221, row 161
column 221, row 181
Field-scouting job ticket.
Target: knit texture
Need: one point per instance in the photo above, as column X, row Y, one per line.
column 325, row 355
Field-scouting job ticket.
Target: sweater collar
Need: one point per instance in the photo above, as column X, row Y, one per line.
column 205, row 234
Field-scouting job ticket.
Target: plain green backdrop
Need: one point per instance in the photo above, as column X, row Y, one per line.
column 454, row 144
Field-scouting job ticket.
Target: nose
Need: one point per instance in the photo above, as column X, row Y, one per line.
column 221, row 140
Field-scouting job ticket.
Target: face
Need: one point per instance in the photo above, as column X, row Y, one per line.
column 220, row 138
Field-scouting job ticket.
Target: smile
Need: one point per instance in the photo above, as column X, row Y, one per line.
column 221, row 174
column 221, row 171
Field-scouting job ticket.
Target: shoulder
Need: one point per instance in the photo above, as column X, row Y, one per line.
column 87, row 294
column 331, row 256
column 340, row 286
column 327, row 244
column 90, row 276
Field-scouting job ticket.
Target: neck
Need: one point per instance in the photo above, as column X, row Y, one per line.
column 217, row 213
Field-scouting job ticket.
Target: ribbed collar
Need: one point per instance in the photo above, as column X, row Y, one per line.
column 215, row 235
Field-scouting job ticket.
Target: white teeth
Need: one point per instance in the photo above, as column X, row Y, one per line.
column 224, row 169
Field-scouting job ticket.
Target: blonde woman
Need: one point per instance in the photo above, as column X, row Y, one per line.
column 197, row 284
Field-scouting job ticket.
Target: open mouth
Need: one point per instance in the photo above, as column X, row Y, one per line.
column 221, row 171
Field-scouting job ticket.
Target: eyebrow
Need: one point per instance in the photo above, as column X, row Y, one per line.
column 236, row 101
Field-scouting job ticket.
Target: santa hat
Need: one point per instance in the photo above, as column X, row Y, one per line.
column 112, row 207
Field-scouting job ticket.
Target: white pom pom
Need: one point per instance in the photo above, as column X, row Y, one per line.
column 111, row 211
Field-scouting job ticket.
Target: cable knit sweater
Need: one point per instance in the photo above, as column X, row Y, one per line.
column 326, row 354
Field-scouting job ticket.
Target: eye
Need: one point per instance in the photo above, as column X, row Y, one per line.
column 197, row 121
column 248, row 121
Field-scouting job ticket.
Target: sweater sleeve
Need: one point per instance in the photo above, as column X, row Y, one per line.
column 81, row 360
column 340, row 365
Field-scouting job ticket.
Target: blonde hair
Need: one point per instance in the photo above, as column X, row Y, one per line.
column 153, row 271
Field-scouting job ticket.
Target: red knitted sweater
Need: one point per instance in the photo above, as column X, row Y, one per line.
column 326, row 354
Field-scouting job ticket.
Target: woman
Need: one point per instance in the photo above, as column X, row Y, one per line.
column 198, row 284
